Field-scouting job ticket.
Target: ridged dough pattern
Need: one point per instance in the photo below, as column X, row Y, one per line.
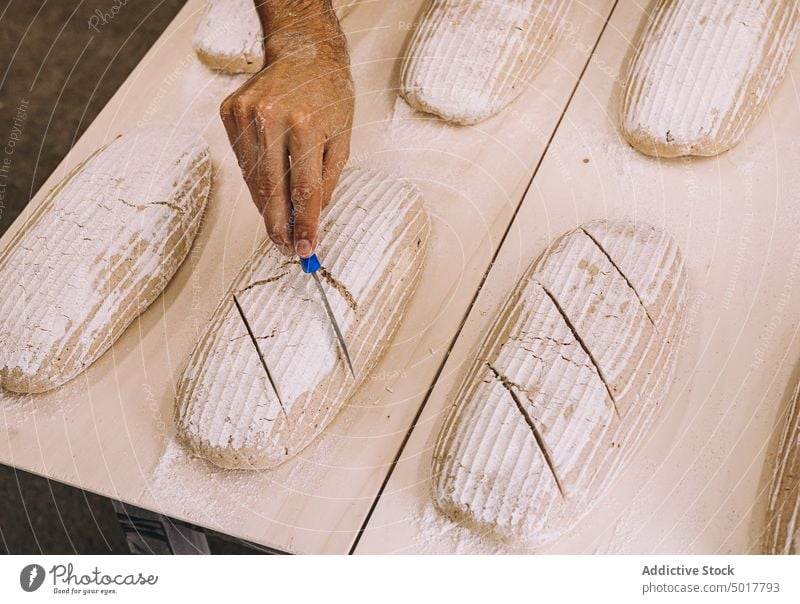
column 782, row 535
column 374, row 241
column 469, row 60
column 703, row 72
column 228, row 36
column 97, row 252
column 566, row 384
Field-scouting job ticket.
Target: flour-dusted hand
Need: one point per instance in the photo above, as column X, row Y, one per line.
column 289, row 125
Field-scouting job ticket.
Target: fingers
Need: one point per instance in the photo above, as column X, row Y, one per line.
column 277, row 212
column 306, row 146
column 288, row 161
column 238, row 118
column 337, row 152
column 259, row 143
column 272, row 179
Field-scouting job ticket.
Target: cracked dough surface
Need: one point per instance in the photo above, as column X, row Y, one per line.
column 375, row 237
column 566, row 384
column 97, row 252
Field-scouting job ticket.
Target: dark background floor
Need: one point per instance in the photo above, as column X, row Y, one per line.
column 66, row 72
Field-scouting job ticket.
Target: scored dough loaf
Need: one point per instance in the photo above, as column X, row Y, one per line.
column 97, row 252
column 566, row 384
column 373, row 245
column 469, row 60
column 228, row 36
column 782, row 535
column 703, row 72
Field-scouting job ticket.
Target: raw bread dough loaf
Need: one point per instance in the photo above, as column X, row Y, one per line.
column 228, row 36
column 372, row 250
column 783, row 511
column 703, row 72
column 100, row 248
column 566, row 384
column 469, row 60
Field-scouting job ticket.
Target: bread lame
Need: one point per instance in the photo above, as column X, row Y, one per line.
column 310, row 266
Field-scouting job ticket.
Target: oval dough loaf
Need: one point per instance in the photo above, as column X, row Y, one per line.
column 703, row 72
column 228, row 36
column 782, row 535
column 97, row 252
column 566, row 384
column 469, row 60
column 375, row 236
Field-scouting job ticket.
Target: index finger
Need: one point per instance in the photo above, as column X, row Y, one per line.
column 306, row 150
column 238, row 119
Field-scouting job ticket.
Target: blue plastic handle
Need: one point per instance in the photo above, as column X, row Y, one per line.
column 311, row 264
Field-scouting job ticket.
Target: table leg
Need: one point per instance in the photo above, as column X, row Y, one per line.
column 151, row 533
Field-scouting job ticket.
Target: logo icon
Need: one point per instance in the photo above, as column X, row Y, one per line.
column 31, row 577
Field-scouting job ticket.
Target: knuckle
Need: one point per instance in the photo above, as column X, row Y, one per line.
column 241, row 106
column 226, row 109
column 300, row 119
column 302, row 130
column 272, row 167
column 266, row 108
column 278, row 235
column 267, row 187
column 298, row 113
column 301, row 194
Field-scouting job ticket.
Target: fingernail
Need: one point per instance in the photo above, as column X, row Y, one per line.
column 303, row 248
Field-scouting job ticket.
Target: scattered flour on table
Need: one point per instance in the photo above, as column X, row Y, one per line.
column 407, row 125
column 215, row 496
column 212, row 495
column 616, row 539
column 407, row 135
column 635, row 175
column 304, row 472
column 16, row 409
column 435, row 530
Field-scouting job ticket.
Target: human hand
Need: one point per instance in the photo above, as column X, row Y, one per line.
column 289, row 126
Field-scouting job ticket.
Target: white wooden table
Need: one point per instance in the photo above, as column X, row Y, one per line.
column 497, row 193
